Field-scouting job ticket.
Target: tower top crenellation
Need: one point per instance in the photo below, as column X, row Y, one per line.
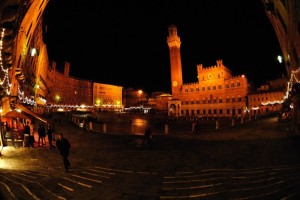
column 201, row 68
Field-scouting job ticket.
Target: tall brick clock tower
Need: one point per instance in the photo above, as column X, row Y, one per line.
column 175, row 60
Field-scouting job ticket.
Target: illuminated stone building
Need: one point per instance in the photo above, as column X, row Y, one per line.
column 216, row 94
column 28, row 79
column 268, row 98
column 285, row 19
column 69, row 93
column 159, row 102
column 107, row 97
column 24, row 55
column 134, row 98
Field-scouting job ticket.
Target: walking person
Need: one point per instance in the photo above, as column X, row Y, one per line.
column 194, row 124
column 53, row 131
column 63, row 145
column 26, row 128
column 26, row 134
column 44, row 133
column 50, row 136
column 41, row 134
column 198, row 127
column 148, row 138
column 31, row 136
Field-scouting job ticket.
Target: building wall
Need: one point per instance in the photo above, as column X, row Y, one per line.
column 216, row 94
column 159, row 102
column 29, row 36
column 285, row 19
column 134, row 98
column 107, row 97
column 265, row 102
column 21, row 24
column 34, row 81
column 69, row 92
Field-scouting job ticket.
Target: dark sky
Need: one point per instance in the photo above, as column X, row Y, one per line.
column 124, row 43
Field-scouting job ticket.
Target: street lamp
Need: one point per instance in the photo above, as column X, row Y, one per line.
column 57, row 98
column 140, row 92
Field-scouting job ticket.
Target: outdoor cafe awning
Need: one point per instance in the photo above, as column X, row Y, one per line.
column 26, row 110
column 15, row 114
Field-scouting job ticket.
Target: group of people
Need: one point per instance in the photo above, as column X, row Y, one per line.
column 62, row 144
column 43, row 132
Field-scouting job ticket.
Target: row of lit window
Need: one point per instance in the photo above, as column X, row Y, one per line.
column 238, row 84
column 265, row 99
column 212, row 101
column 212, row 112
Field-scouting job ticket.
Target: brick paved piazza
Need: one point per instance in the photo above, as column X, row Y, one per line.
column 255, row 160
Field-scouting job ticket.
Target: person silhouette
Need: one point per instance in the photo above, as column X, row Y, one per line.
column 50, row 136
column 63, row 145
column 148, row 138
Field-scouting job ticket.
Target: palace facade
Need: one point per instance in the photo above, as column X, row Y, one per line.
column 217, row 93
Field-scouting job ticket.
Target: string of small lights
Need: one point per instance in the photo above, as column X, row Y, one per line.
column 4, row 81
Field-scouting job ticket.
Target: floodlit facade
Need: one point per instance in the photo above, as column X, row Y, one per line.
column 158, row 102
column 216, row 94
column 69, row 93
column 135, row 98
column 23, row 54
column 269, row 98
column 107, row 97
column 28, row 80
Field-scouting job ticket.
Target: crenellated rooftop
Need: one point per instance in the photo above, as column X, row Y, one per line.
column 219, row 64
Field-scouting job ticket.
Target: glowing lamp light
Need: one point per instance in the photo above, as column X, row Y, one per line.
column 279, row 58
column 34, row 52
column 98, row 102
column 57, row 98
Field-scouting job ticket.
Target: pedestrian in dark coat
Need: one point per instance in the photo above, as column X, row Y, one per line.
column 41, row 134
column 148, row 138
column 26, row 128
column 63, row 145
column 50, row 136
column 26, row 133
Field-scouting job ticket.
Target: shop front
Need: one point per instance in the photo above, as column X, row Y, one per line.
column 31, row 113
column 12, row 127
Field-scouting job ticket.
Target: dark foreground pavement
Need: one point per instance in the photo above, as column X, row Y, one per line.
column 258, row 160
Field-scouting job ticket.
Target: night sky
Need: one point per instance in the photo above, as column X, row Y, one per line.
column 124, row 43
